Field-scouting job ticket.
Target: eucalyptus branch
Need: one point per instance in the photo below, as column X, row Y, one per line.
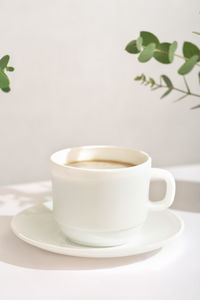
column 176, row 89
column 185, row 58
column 167, row 85
column 175, row 54
column 148, row 46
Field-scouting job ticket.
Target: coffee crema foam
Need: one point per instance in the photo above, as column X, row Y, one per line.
column 99, row 164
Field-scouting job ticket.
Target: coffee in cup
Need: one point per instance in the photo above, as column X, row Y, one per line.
column 99, row 164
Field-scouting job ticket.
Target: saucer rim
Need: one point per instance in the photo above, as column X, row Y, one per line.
column 99, row 252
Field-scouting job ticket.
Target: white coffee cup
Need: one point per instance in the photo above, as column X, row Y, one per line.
column 105, row 207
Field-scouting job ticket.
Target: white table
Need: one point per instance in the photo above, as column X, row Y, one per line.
column 171, row 273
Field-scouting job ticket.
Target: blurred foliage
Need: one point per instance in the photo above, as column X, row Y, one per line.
column 4, row 80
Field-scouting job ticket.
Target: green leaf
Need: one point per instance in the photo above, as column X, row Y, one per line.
column 148, row 38
column 10, row 69
column 166, row 93
column 143, row 77
column 188, row 65
column 152, row 81
column 132, row 47
column 172, row 49
column 161, row 53
column 198, row 33
column 137, row 78
column 186, row 84
column 182, row 97
column 147, row 53
column 6, row 89
column 4, row 61
column 197, row 106
column 4, row 81
column 167, row 81
column 190, row 50
column 155, row 88
column 139, row 43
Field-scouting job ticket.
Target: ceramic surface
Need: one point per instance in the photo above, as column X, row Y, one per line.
column 105, row 207
column 37, row 227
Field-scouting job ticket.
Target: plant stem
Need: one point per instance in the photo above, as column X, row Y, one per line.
column 176, row 89
column 186, row 84
column 185, row 58
column 177, row 55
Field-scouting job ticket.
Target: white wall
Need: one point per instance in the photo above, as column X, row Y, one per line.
column 73, row 83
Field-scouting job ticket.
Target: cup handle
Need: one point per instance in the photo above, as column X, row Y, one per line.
column 170, row 189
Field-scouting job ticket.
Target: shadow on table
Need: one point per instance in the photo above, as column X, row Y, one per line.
column 22, row 196
column 16, row 252
column 187, row 195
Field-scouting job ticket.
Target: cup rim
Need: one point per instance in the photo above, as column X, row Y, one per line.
column 54, row 162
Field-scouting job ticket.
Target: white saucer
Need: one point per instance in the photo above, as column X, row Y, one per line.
column 37, row 227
